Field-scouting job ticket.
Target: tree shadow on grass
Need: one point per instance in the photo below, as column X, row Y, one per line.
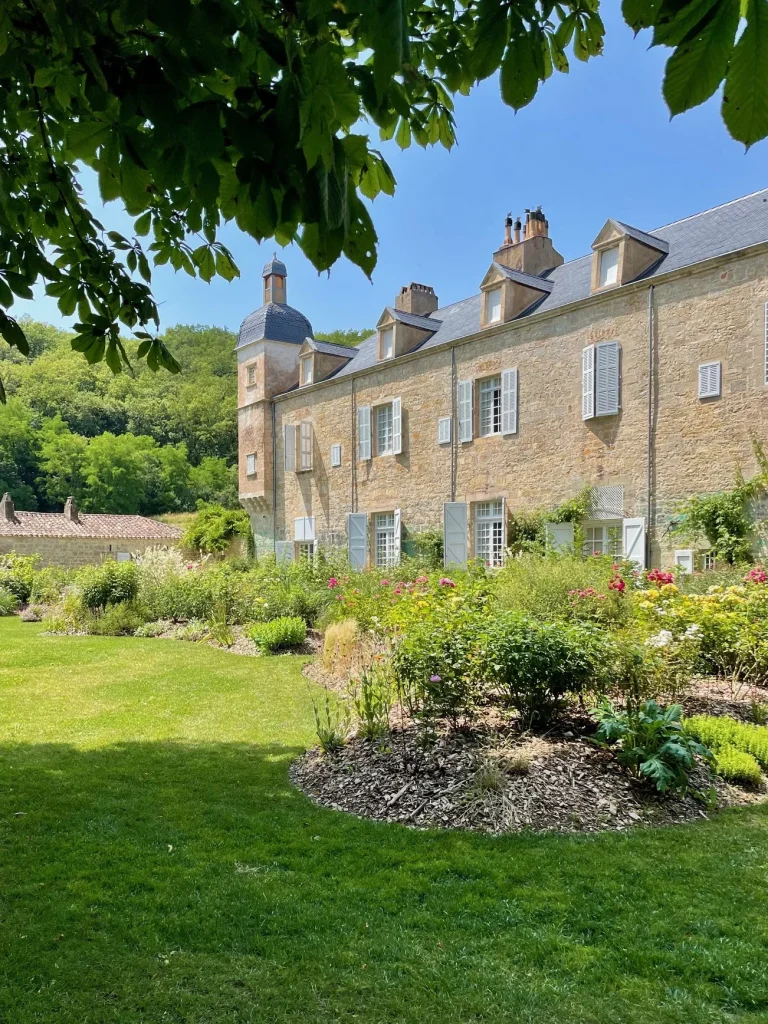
column 190, row 882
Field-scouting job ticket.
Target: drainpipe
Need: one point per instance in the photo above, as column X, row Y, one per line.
column 454, row 426
column 649, row 480
column 353, row 452
column 274, row 476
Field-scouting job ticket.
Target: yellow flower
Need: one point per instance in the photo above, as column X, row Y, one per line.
column 668, row 589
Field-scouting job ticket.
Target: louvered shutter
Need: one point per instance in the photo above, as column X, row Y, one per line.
column 560, row 536
column 465, row 410
column 397, row 426
column 455, row 536
column 633, row 535
column 588, row 382
column 289, row 448
column 444, row 430
column 364, row 432
column 304, row 528
column 709, row 380
column 284, row 551
column 398, row 538
column 607, row 378
column 509, row 402
column 766, row 341
column 357, row 539
column 305, row 445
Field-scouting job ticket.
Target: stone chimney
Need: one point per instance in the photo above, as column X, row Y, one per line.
column 417, row 298
column 533, row 253
column 7, row 511
column 70, row 510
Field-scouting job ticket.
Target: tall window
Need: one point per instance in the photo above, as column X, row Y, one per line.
column 387, row 343
column 250, row 463
column 493, row 306
column 306, row 369
column 490, row 406
column 384, row 538
column 602, row 539
column 251, row 375
column 384, row 430
column 609, row 266
column 489, row 532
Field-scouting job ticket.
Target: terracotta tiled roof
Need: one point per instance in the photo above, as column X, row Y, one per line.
column 54, row 524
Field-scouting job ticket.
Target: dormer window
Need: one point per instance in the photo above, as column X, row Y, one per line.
column 493, row 306
column 305, row 370
column 609, row 267
column 386, row 343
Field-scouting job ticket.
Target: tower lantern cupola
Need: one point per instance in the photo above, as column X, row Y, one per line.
column 274, row 274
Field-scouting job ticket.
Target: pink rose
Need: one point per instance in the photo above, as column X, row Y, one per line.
column 332, row 582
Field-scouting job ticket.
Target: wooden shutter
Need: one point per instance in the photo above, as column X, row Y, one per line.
column 509, row 402
column 633, row 536
column 284, row 551
column 684, row 559
column 444, row 430
column 588, row 382
column 357, row 539
column 397, row 426
column 465, row 410
column 709, row 380
column 289, row 452
column 560, row 536
column 364, row 432
column 335, row 455
column 305, row 445
column 398, row 538
column 304, row 528
column 455, row 548
column 607, row 378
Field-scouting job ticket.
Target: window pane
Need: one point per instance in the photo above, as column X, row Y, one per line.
column 493, row 305
column 384, row 433
column 306, row 370
column 490, row 406
column 489, row 532
column 250, row 464
column 387, row 337
column 609, row 266
column 384, row 526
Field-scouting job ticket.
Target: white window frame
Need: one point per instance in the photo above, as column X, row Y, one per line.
column 489, row 406
column 464, row 400
column 490, row 542
column 602, row 537
column 289, row 448
column 444, row 430
column 608, row 272
column 304, row 549
column 385, row 429
column 384, row 539
column 684, row 559
column 250, row 464
column 250, row 375
column 364, row 447
column 708, row 561
column 305, row 446
column 306, row 369
column 710, row 380
column 493, row 305
column 335, row 455
column 387, row 342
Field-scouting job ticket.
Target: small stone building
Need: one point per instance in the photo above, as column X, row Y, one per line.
column 71, row 538
column 639, row 370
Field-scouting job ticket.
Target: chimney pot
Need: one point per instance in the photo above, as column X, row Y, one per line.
column 419, row 299
column 508, row 229
column 7, row 510
column 70, row 510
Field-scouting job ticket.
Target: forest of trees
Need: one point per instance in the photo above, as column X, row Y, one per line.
column 133, row 442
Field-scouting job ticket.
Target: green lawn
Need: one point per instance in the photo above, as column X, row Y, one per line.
column 156, row 866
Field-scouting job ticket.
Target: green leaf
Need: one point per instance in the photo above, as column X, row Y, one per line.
column 143, row 223
column 403, row 134
column 697, row 67
column 519, row 77
column 225, row 265
column 205, row 262
column 13, row 334
column 745, row 100
column 674, row 25
column 640, row 13
column 85, row 137
column 490, row 38
column 6, row 295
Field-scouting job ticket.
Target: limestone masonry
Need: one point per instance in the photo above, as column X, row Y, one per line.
column 640, row 370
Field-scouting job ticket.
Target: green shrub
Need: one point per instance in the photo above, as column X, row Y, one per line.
column 286, row 631
column 215, row 527
column 535, row 664
column 117, row 620
column 8, row 602
column 108, row 583
column 722, row 732
column 652, row 743
column 151, row 629
column 332, row 724
column 737, row 766
column 48, row 585
column 17, row 574
column 373, row 695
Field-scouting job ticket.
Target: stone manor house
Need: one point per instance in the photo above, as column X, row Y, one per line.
column 640, row 369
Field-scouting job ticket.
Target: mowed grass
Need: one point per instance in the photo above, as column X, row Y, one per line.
column 157, row 866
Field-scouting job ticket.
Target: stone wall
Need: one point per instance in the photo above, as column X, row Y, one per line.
column 72, row 552
column 706, row 314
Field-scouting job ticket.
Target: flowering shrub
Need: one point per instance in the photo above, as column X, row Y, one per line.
column 659, row 577
column 17, row 574
column 757, row 574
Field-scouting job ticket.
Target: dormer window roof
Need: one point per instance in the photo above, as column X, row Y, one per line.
column 506, row 293
column 400, row 331
column 321, row 359
column 623, row 254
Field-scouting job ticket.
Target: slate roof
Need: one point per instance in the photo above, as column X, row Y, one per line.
column 424, row 323
column 652, row 240
column 55, row 524
column 529, row 280
column 329, row 348
column 275, row 266
column 276, row 321
column 724, row 229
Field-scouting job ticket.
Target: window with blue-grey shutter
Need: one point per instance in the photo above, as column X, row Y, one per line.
column 606, row 378
column 335, row 455
column 364, row 433
column 588, row 382
column 289, row 453
column 444, row 430
column 465, row 410
column 709, row 380
column 509, row 402
column 455, row 535
column 357, row 539
column 560, row 537
column 397, row 426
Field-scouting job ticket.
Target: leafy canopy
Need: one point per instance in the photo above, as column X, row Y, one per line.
column 197, row 112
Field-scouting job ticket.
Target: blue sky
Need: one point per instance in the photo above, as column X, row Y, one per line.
column 595, row 143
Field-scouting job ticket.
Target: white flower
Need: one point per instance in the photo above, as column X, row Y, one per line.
column 693, row 630
column 661, row 639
